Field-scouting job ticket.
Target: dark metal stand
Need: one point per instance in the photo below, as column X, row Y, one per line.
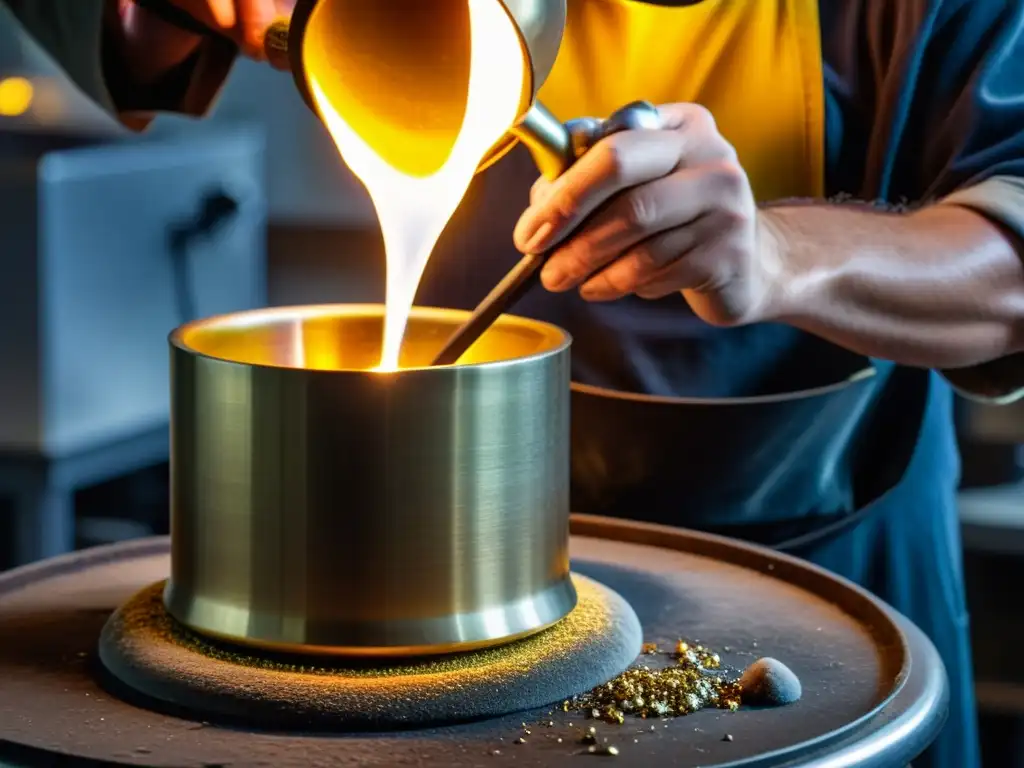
column 875, row 690
column 43, row 488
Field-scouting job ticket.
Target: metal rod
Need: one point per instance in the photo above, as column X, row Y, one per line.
column 548, row 141
column 513, row 285
column 637, row 115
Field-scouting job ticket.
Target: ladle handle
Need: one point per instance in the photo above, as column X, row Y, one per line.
column 506, row 293
column 549, row 141
column 554, row 150
column 275, row 38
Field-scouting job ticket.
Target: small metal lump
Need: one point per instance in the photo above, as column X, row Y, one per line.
column 686, row 684
column 769, row 682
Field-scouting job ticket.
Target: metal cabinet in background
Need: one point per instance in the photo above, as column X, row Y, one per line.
column 105, row 248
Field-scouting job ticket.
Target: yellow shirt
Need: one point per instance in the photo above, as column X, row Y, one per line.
column 755, row 64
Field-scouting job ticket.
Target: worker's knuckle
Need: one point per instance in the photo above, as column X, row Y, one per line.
column 640, row 265
column 641, row 209
column 565, row 206
column 621, row 280
column 610, row 157
column 727, row 178
column 734, row 217
column 700, row 118
column 638, row 268
column 723, row 150
column 645, row 263
column 575, row 259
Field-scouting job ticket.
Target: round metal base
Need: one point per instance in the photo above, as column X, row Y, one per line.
column 874, row 689
column 175, row 670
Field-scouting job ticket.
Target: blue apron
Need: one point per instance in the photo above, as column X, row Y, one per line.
column 875, row 500
column 884, row 515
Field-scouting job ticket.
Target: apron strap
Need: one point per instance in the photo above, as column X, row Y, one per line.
column 826, row 533
column 799, row 535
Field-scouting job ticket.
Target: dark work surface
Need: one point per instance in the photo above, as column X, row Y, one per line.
column 50, row 701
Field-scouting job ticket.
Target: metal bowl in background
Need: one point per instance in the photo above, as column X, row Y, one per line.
column 321, row 506
column 709, row 463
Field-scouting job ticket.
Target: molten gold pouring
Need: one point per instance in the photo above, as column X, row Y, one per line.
column 423, row 47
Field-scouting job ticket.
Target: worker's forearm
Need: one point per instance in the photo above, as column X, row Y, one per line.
column 941, row 288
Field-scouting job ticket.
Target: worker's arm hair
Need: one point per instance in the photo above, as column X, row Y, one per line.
column 941, row 287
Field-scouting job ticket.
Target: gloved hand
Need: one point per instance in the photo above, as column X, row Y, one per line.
column 152, row 46
column 669, row 210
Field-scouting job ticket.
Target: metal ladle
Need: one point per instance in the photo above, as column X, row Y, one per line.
column 421, row 45
column 416, row 99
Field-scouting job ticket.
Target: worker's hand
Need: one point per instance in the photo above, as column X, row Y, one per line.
column 669, row 210
column 153, row 46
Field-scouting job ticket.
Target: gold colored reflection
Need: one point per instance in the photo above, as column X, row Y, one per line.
column 349, row 337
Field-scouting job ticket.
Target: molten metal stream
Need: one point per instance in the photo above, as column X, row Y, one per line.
column 414, row 210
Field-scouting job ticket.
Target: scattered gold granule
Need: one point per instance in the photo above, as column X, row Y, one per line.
column 676, row 689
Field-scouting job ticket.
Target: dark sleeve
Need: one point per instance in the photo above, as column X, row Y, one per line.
column 925, row 104
column 968, row 119
column 73, row 31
